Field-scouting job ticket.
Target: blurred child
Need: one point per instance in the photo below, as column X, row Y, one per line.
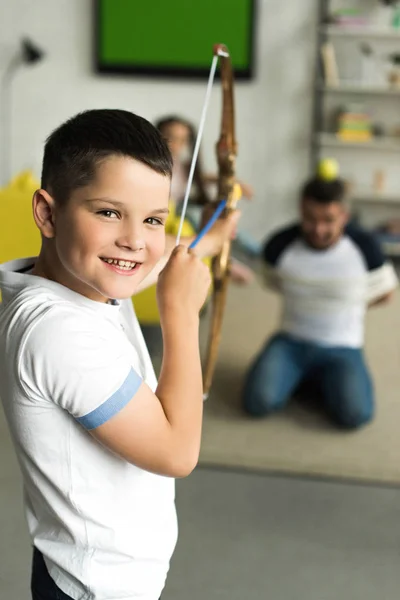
column 180, row 136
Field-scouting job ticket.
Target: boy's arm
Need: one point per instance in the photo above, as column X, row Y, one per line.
column 83, row 364
column 160, row 432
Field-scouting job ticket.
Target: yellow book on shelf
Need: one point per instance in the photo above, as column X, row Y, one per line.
column 354, row 136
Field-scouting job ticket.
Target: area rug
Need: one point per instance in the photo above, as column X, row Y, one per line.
column 299, row 440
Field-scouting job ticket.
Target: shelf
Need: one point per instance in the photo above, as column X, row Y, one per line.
column 336, row 38
column 375, row 197
column 359, row 88
column 385, row 144
column 391, row 249
column 362, row 31
column 390, row 243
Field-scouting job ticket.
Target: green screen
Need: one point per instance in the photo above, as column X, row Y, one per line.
column 174, row 34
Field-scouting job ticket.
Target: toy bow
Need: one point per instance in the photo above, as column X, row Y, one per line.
column 228, row 195
column 226, row 149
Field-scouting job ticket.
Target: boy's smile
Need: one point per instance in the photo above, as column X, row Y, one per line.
column 123, row 267
column 110, row 234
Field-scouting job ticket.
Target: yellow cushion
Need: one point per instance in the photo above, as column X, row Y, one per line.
column 19, row 236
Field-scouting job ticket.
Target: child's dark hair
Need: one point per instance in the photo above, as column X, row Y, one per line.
column 201, row 196
column 74, row 150
column 324, row 192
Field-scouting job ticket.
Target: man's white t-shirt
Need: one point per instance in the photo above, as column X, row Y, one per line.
column 326, row 292
column 106, row 528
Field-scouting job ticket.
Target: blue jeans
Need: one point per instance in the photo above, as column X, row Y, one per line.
column 339, row 374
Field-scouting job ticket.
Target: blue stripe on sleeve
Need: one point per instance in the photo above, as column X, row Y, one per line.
column 114, row 404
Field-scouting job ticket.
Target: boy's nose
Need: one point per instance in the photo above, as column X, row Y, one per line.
column 132, row 239
column 138, row 245
column 134, row 244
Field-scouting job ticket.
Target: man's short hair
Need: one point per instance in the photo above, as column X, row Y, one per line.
column 324, row 192
column 75, row 149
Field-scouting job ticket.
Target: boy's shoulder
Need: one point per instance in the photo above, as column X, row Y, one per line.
column 33, row 303
column 39, row 320
column 48, row 342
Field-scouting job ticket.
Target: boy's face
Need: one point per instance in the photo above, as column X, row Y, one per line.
column 111, row 233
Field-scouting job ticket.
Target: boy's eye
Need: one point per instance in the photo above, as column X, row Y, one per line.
column 110, row 214
column 154, row 221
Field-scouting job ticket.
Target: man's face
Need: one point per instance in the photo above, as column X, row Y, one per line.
column 111, row 233
column 322, row 224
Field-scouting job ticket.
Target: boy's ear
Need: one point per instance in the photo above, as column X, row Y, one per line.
column 43, row 208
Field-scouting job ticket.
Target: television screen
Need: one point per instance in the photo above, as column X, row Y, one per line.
column 174, row 37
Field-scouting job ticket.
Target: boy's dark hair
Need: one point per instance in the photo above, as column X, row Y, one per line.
column 201, row 195
column 74, row 150
column 324, row 192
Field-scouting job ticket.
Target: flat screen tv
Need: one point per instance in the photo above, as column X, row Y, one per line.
column 173, row 37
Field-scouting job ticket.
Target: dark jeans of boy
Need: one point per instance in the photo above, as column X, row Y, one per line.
column 42, row 585
column 339, row 375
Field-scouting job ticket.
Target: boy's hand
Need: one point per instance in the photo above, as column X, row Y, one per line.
column 183, row 284
column 223, row 230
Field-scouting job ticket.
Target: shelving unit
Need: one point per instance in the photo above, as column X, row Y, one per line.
column 384, row 144
column 376, row 197
column 358, row 89
column 379, row 33
column 359, row 160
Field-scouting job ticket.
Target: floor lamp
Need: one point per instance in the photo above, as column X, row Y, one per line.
column 28, row 54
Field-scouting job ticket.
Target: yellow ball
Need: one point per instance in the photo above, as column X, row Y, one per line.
column 328, row 169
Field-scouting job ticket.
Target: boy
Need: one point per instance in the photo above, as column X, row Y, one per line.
column 98, row 440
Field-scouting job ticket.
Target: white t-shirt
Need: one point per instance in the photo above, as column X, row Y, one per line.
column 325, row 292
column 106, row 528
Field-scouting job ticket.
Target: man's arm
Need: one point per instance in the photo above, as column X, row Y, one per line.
column 382, row 279
column 385, row 299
